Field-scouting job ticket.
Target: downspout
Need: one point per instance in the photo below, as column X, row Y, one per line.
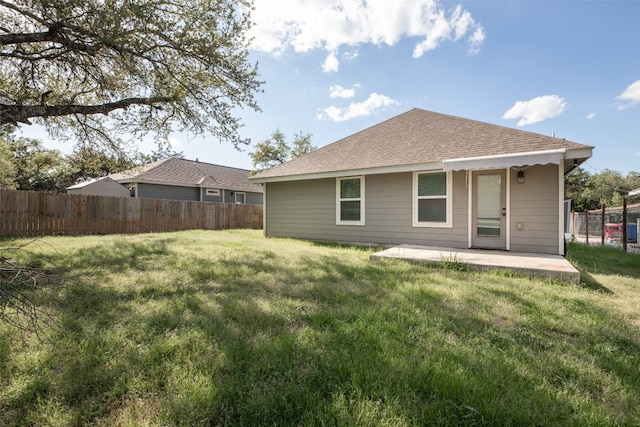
column 507, row 196
column 469, row 209
column 561, row 207
column 264, row 209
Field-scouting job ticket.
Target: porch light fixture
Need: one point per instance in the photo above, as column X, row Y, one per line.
column 520, row 178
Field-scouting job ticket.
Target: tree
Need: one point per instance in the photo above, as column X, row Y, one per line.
column 7, row 168
column 35, row 168
column 87, row 162
column 274, row 150
column 608, row 187
column 163, row 150
column 97, row 70
column 574, row 187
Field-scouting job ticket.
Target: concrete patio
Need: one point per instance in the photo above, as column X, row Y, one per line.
column 554, row 266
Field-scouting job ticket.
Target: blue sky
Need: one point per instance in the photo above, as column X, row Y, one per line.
column 334, row 67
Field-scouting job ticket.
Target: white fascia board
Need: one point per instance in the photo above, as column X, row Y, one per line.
column 579, row 153
column 418, row 167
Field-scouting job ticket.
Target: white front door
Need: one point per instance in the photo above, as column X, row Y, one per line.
column 489, row 210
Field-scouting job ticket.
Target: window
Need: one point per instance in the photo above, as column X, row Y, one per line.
column 432, row 199
column 241, row 198
column 350, row 201
column 213, row 191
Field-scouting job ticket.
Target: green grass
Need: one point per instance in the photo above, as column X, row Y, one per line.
column 228, row 328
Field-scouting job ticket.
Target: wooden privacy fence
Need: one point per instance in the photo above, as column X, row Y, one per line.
column 26, row 213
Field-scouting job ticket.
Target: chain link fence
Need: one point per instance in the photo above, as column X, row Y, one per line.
column 605, row 226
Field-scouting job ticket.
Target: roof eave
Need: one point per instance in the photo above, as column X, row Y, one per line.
column 571, row 155
column 350, row 172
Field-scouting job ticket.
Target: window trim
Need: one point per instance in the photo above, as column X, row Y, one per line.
column 212, row 192
column 360, row 199
column 448, row 197
column 244, row 198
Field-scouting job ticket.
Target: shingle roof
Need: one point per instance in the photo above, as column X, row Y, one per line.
column 189, row 173
column 416, row 137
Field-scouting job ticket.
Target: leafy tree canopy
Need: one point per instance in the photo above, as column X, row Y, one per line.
column 7, row 168
column 34, row 167
column 274, row 150
column 608, row 187
column 97, row 70
column 25, row 164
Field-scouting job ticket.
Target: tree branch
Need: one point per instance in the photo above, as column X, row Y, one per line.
column 14, row 114
column 17, row 38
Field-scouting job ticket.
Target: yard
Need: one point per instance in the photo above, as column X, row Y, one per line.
column 228, row 328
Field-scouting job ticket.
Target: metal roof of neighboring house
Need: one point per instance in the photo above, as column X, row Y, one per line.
column 189, row 173
column 416, row 139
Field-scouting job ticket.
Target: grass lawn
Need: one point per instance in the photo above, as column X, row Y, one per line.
column 228, row 328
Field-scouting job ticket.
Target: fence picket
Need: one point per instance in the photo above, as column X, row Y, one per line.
column 27, row 214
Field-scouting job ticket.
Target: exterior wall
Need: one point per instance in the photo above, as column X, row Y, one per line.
column 307, row 210
column 206, row 198
column 534, row 210
column 102, row 188
column 254, row 198
column 174, row 192
column 171, row 192
column 250, row 197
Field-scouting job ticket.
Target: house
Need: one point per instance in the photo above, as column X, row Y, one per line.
column 181, row 179
column 426, row 178
column 104, row 186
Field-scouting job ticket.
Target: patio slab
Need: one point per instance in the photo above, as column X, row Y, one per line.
column 526, row 263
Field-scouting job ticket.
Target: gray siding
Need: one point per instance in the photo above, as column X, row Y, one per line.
column 174, row 192
column 307, row 209
column 206, row 198
column 171, row 192
column 254, row 198
column 250, row 197
column 535, row 205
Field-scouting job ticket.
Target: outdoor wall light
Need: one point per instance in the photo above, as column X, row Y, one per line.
column 520, row 178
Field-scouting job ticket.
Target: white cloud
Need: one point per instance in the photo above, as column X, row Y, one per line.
column 331, row 63
column 304, row 25
column 350, row 55
column 371, row 105
column 476, row 40
column 337, row 91
column 630, row 96
column 536, row 109
column 591, row 115
column 176, row 144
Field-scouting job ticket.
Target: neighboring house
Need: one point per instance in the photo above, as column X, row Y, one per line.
column 635, row 192
column 104, row 186
column 181, row 179
column 426, row 178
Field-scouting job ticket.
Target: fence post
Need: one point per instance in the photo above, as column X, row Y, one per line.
column 624, row 224
column 602, row 226
column 586, row 225
column 573, row 225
